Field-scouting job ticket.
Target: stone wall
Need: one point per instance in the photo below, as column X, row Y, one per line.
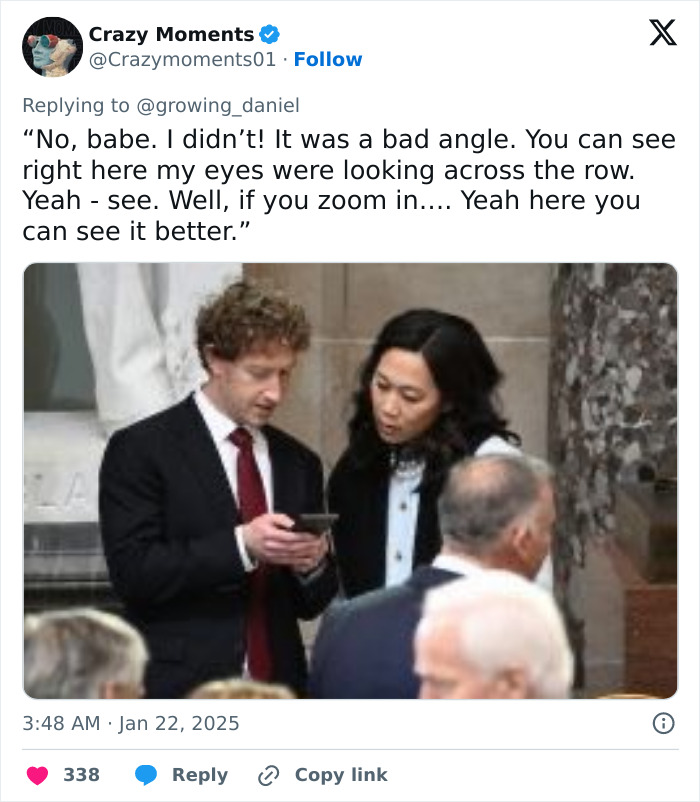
column 348, row 304
column 613, row 411
column 613, row 386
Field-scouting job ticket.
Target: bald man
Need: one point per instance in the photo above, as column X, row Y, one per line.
column 495, row 512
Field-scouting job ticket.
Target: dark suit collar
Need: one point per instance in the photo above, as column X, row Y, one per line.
column 281, row 463
column 426, row 576
column 371, row 535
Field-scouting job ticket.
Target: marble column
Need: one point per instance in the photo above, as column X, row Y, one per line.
column 612, row 401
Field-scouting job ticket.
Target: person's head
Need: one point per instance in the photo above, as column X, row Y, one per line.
column 42, row 49
column 492, row 636
column 499, row 510
column 248, row 341
column 82, row 654
column 429, row 375
column 240, row 689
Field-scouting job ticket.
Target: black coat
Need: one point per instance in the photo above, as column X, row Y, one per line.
column 168, row 516
column 364, row 648
column 360, row 496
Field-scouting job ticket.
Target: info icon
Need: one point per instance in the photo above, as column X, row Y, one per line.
column 663, row 723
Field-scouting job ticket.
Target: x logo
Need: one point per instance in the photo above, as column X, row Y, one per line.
column 663, row 31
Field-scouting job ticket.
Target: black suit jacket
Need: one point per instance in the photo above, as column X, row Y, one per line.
column 168, row 516
column 360, row 496
column 364, row 648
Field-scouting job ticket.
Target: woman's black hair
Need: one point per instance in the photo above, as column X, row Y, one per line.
column 463, row 371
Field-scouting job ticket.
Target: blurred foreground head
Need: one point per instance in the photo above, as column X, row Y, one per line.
column 82, row 654
column 492, row 636
column 240, row 689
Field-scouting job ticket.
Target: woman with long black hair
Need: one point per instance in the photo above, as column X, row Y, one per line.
column 426, row 399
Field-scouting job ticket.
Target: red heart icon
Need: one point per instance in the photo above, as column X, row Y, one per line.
column 37, row 774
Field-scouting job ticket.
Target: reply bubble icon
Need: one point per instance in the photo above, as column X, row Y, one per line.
column 146, row 774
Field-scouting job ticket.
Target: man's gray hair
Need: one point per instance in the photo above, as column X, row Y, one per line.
column 485, row 495
column 505, row 623
column 72, row 654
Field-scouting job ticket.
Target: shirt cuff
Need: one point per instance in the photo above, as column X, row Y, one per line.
column 249, row 564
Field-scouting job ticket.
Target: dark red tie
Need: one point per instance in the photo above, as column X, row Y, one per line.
column 252, row 502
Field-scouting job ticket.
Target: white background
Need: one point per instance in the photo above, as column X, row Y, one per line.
column 566, row 67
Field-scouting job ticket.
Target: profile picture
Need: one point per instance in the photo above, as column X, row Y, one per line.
column 52, row 47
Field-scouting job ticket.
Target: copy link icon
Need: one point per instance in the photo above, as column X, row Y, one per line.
column 268, row 775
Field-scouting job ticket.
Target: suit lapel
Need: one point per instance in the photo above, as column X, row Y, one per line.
column 199, row 450
column 428, row 541
column 283, row 490
column 426, row 576
column 377, row 534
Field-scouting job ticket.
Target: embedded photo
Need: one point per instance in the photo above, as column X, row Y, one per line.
column 350, row 481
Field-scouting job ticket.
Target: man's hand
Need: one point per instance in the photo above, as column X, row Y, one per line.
column 316, row 554
column 268, row 539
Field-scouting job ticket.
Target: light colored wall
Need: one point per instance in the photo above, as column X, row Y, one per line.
column 58, row 373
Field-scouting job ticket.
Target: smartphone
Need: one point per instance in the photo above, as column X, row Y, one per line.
column 314, row 523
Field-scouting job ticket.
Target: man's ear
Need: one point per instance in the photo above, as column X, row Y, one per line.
column 211, row 360
column 518, row 540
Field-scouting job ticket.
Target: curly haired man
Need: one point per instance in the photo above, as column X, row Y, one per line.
column 198, row 503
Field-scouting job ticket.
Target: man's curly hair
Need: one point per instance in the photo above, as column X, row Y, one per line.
column 244, row 317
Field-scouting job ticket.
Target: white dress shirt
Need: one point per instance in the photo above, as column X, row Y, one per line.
column 402, row 519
